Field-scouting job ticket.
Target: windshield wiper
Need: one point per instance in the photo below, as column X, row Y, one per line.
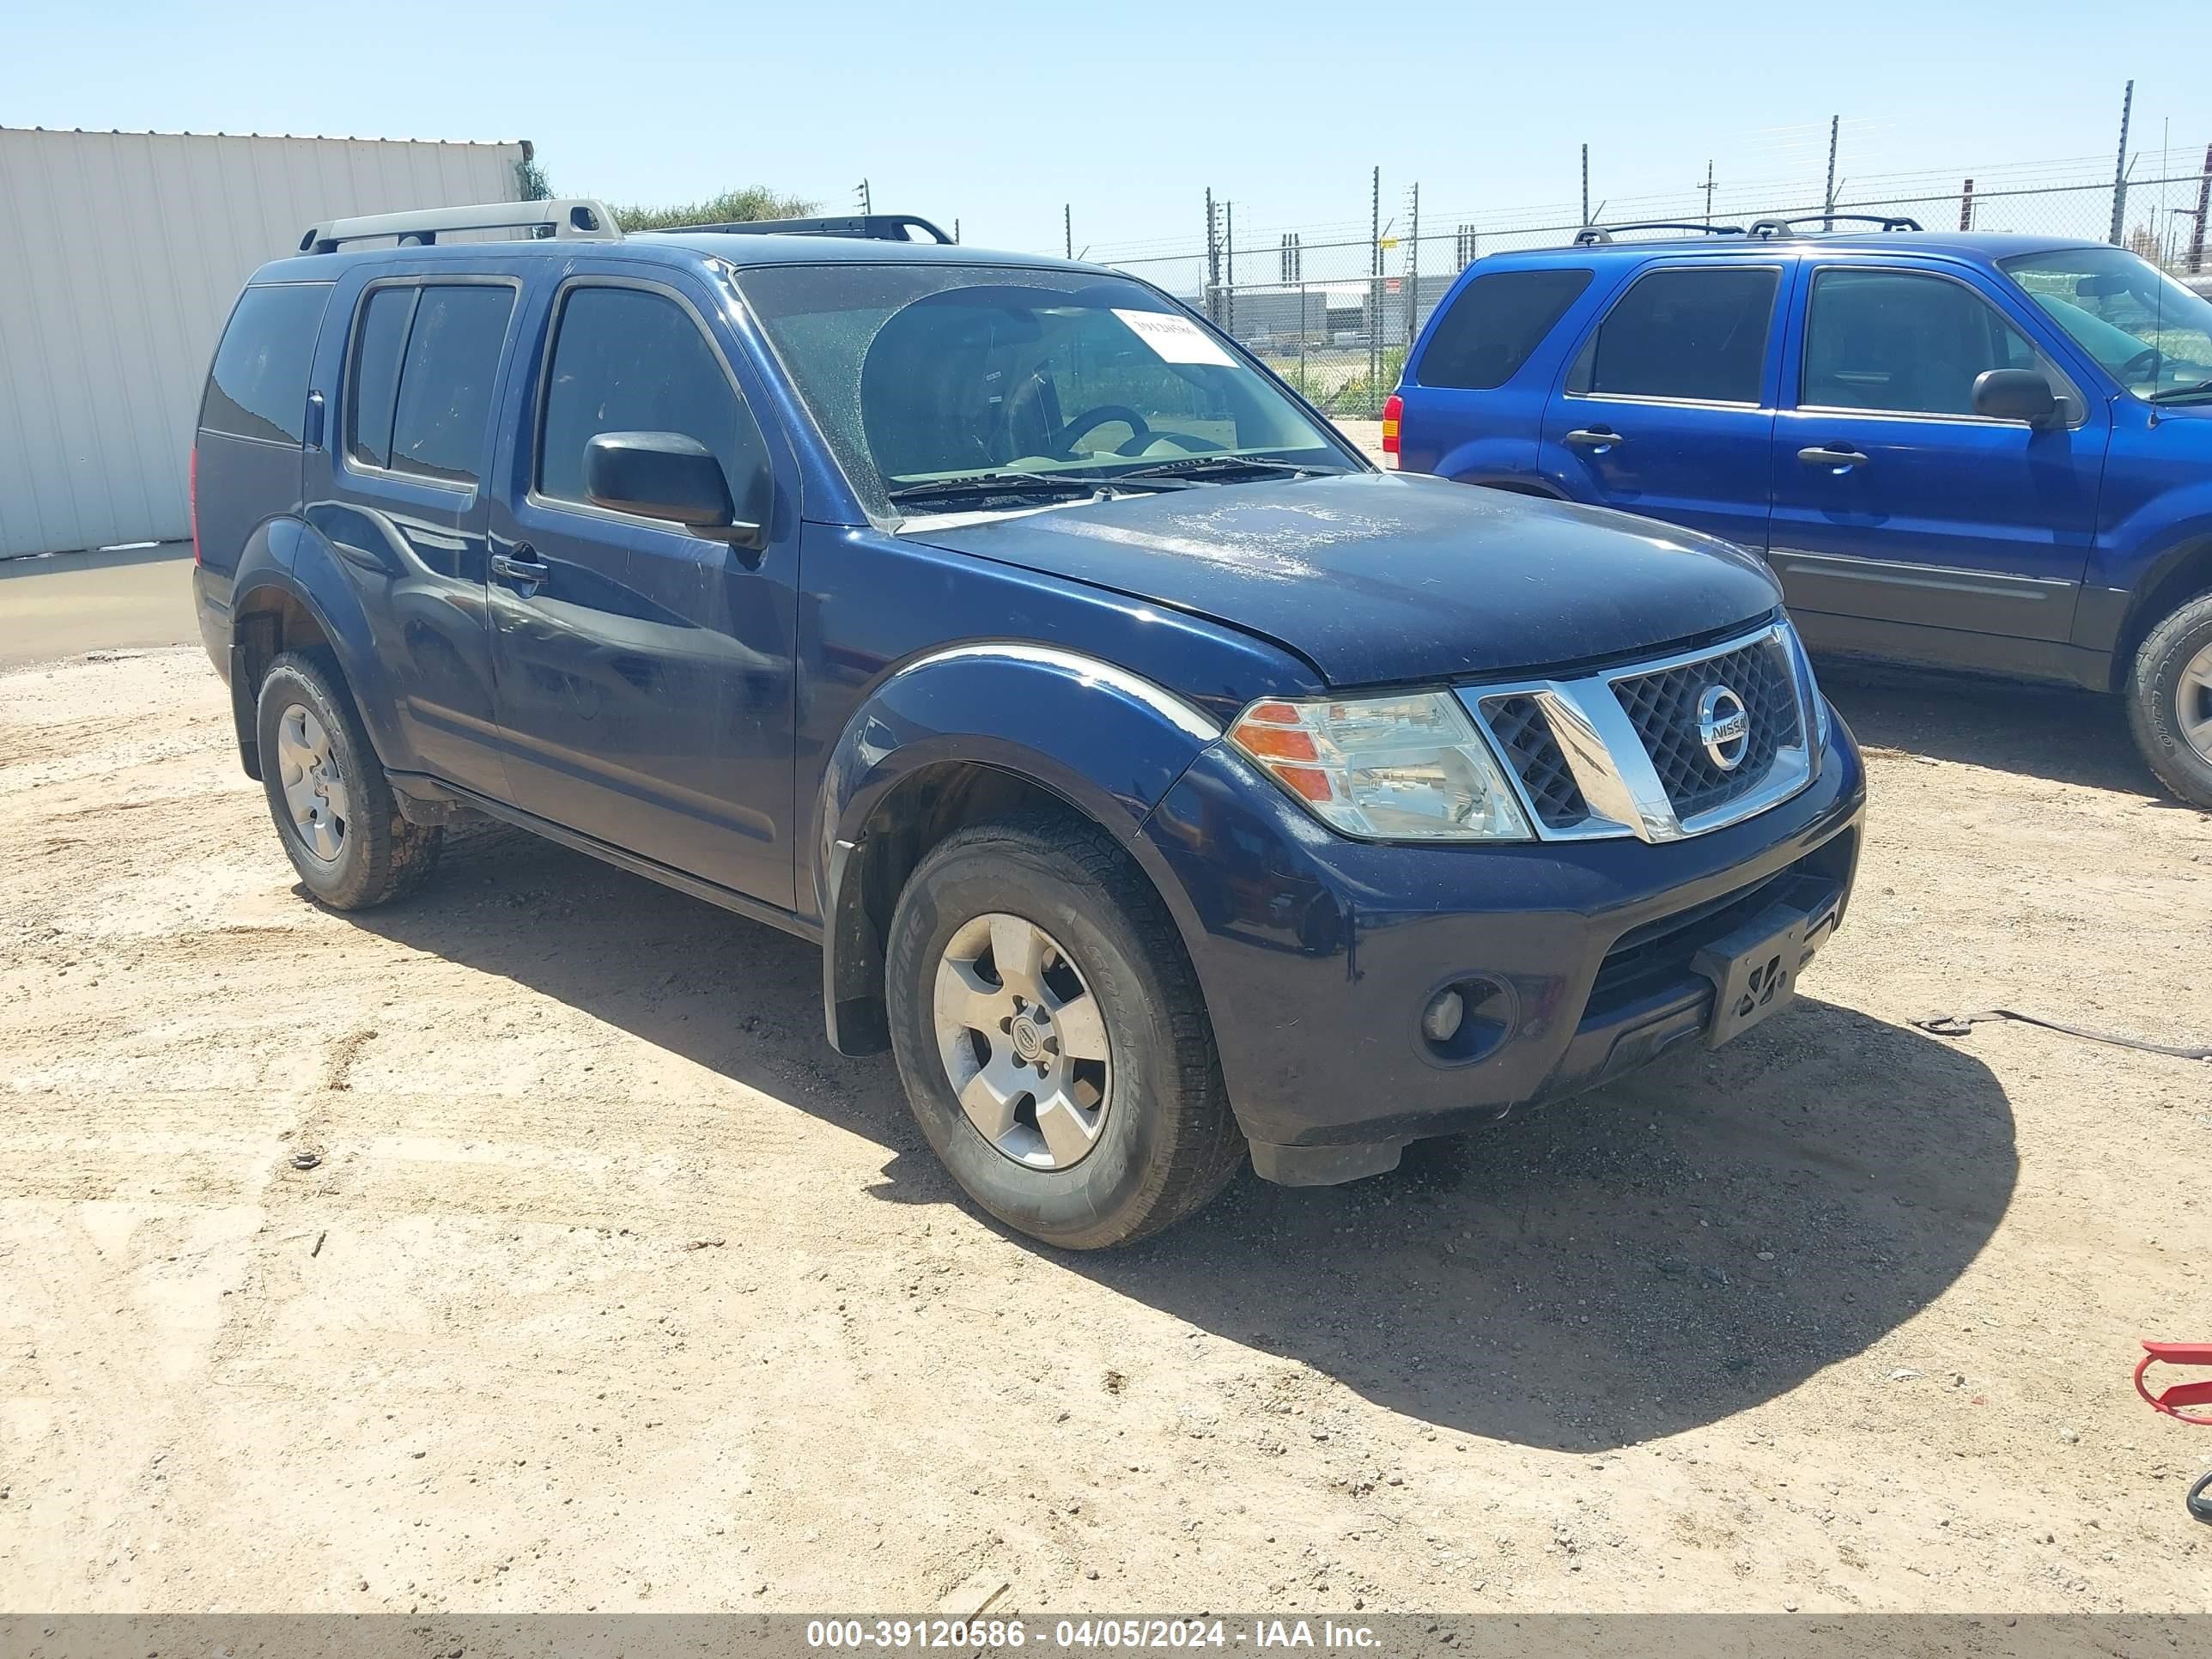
column 988, row 485
column 1226, row 468
column 985, row 486
column 2175, row 394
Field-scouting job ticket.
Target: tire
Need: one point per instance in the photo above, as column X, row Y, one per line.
column 355, row 851
column 2169, row 694
column 1163, row 1140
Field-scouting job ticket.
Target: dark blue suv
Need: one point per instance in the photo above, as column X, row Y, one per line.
column 1159, row 779
column 1980, row 452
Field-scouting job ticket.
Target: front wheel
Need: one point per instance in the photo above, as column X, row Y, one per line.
column 2170, row 700
column 1051, row 1036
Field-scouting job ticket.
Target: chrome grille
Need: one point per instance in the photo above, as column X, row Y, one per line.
column 1619, row 752
column 1534, row 753
column 1663, row 708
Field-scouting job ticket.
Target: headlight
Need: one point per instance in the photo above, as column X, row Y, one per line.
column 1385, row 769
column 1811, row 688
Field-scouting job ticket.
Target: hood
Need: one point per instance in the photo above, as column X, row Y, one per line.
column 1376, row 578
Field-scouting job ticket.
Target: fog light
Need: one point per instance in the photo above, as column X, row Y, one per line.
column 1440, row 1021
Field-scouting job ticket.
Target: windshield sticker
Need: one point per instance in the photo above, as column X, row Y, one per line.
column 1175, row 339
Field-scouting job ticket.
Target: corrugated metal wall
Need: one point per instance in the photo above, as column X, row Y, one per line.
column 120, row 254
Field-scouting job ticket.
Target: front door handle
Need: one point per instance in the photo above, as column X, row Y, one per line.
column 1837, row 458
column 1598, row 438
column 520, row 568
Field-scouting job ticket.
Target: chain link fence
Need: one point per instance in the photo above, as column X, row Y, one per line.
column 1333, row 309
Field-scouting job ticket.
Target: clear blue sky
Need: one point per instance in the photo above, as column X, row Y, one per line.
column 998, row 114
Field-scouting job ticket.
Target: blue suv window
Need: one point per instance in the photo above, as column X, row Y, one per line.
column 258, row 386
column 1902, row 340
column 1495, row 323
column 631, row 359
column 1695, row 333
column 425, row 369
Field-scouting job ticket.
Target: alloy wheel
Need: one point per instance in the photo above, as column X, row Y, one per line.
column 314, row 790
column 1023, row 1041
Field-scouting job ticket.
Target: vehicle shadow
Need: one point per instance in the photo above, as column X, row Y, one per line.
column 1665, row 1252
column 2053, row 732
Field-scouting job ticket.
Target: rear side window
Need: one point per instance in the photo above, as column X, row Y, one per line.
column 1494, row 325
column 373, row 381
column 627, row 359
column 1692, row 333
column 441, row 417
column 258, row 386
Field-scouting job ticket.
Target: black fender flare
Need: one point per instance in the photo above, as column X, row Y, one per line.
column 1107, row 742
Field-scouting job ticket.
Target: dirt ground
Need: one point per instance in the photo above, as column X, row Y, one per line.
column 613, row 1288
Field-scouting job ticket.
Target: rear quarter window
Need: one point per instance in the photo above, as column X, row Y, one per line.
column 1495, row 325
column 258, row 388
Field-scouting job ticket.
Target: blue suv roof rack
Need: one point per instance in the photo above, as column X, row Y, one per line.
column 1780, row 227
column 1597, row 235
column 870, row 227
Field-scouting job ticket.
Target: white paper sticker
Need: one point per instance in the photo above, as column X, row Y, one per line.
column 1175, row 339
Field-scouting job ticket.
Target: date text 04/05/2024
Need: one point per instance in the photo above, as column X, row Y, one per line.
column 1085, row 1633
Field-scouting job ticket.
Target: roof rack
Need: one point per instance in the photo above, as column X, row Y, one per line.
column 1596, row 235
column 870, row 227
column 575, row 218
column 1780, row 227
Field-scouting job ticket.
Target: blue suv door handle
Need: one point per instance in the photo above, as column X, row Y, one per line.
column 1837, row 458
column 1597, row 438
column 520, row 568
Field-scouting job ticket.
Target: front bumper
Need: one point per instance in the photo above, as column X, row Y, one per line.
column 1317, row 955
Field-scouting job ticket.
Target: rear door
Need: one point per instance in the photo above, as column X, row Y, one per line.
column 645, row 672
column 397, row 491
column 1895, row 504
column 1667, row 407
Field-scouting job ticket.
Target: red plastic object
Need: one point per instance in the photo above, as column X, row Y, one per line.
column 2176, row 1396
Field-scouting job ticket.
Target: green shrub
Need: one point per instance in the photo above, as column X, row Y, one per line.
column 754, row 202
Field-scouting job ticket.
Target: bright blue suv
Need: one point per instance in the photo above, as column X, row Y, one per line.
column 1980, row 452
column 1159, row 779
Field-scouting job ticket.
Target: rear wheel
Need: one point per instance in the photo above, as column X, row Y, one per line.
column 2169, row 696
column 1051, row 1037
column 334, row 808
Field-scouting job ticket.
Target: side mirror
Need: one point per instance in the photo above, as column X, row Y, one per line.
column 666, row 475
column 2014, row 394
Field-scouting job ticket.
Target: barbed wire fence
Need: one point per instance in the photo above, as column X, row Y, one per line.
column 1333, row 307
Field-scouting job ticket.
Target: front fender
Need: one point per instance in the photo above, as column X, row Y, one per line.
column 288, row 556
column 1107, row 741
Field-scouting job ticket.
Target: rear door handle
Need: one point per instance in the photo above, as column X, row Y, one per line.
column 520, row 568
column 1592, row 437
column 1836, row 457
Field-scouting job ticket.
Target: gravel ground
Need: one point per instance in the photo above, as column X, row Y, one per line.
column 611, row 1287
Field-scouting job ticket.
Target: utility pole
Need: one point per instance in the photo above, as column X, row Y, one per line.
column 2120, row 166
column 2203, row 209
column 1708, row 192
column 860, row 190
column 1229, row 260
column 1585, row 184
column 1375, row 281
column 1412, row 264
column 1067, row 227
column 1213, row 263
column 1829, row 202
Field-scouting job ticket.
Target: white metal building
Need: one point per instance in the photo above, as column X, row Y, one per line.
column 120, row 254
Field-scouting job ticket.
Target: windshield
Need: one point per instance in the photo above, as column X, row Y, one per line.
column 923, row 374
column 2151, row 334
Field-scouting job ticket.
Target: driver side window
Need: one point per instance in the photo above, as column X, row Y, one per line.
column 1900, row 342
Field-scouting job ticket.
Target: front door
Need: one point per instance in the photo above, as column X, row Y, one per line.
column 645, row 672
column 1898, row 507
column 1667, row 408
